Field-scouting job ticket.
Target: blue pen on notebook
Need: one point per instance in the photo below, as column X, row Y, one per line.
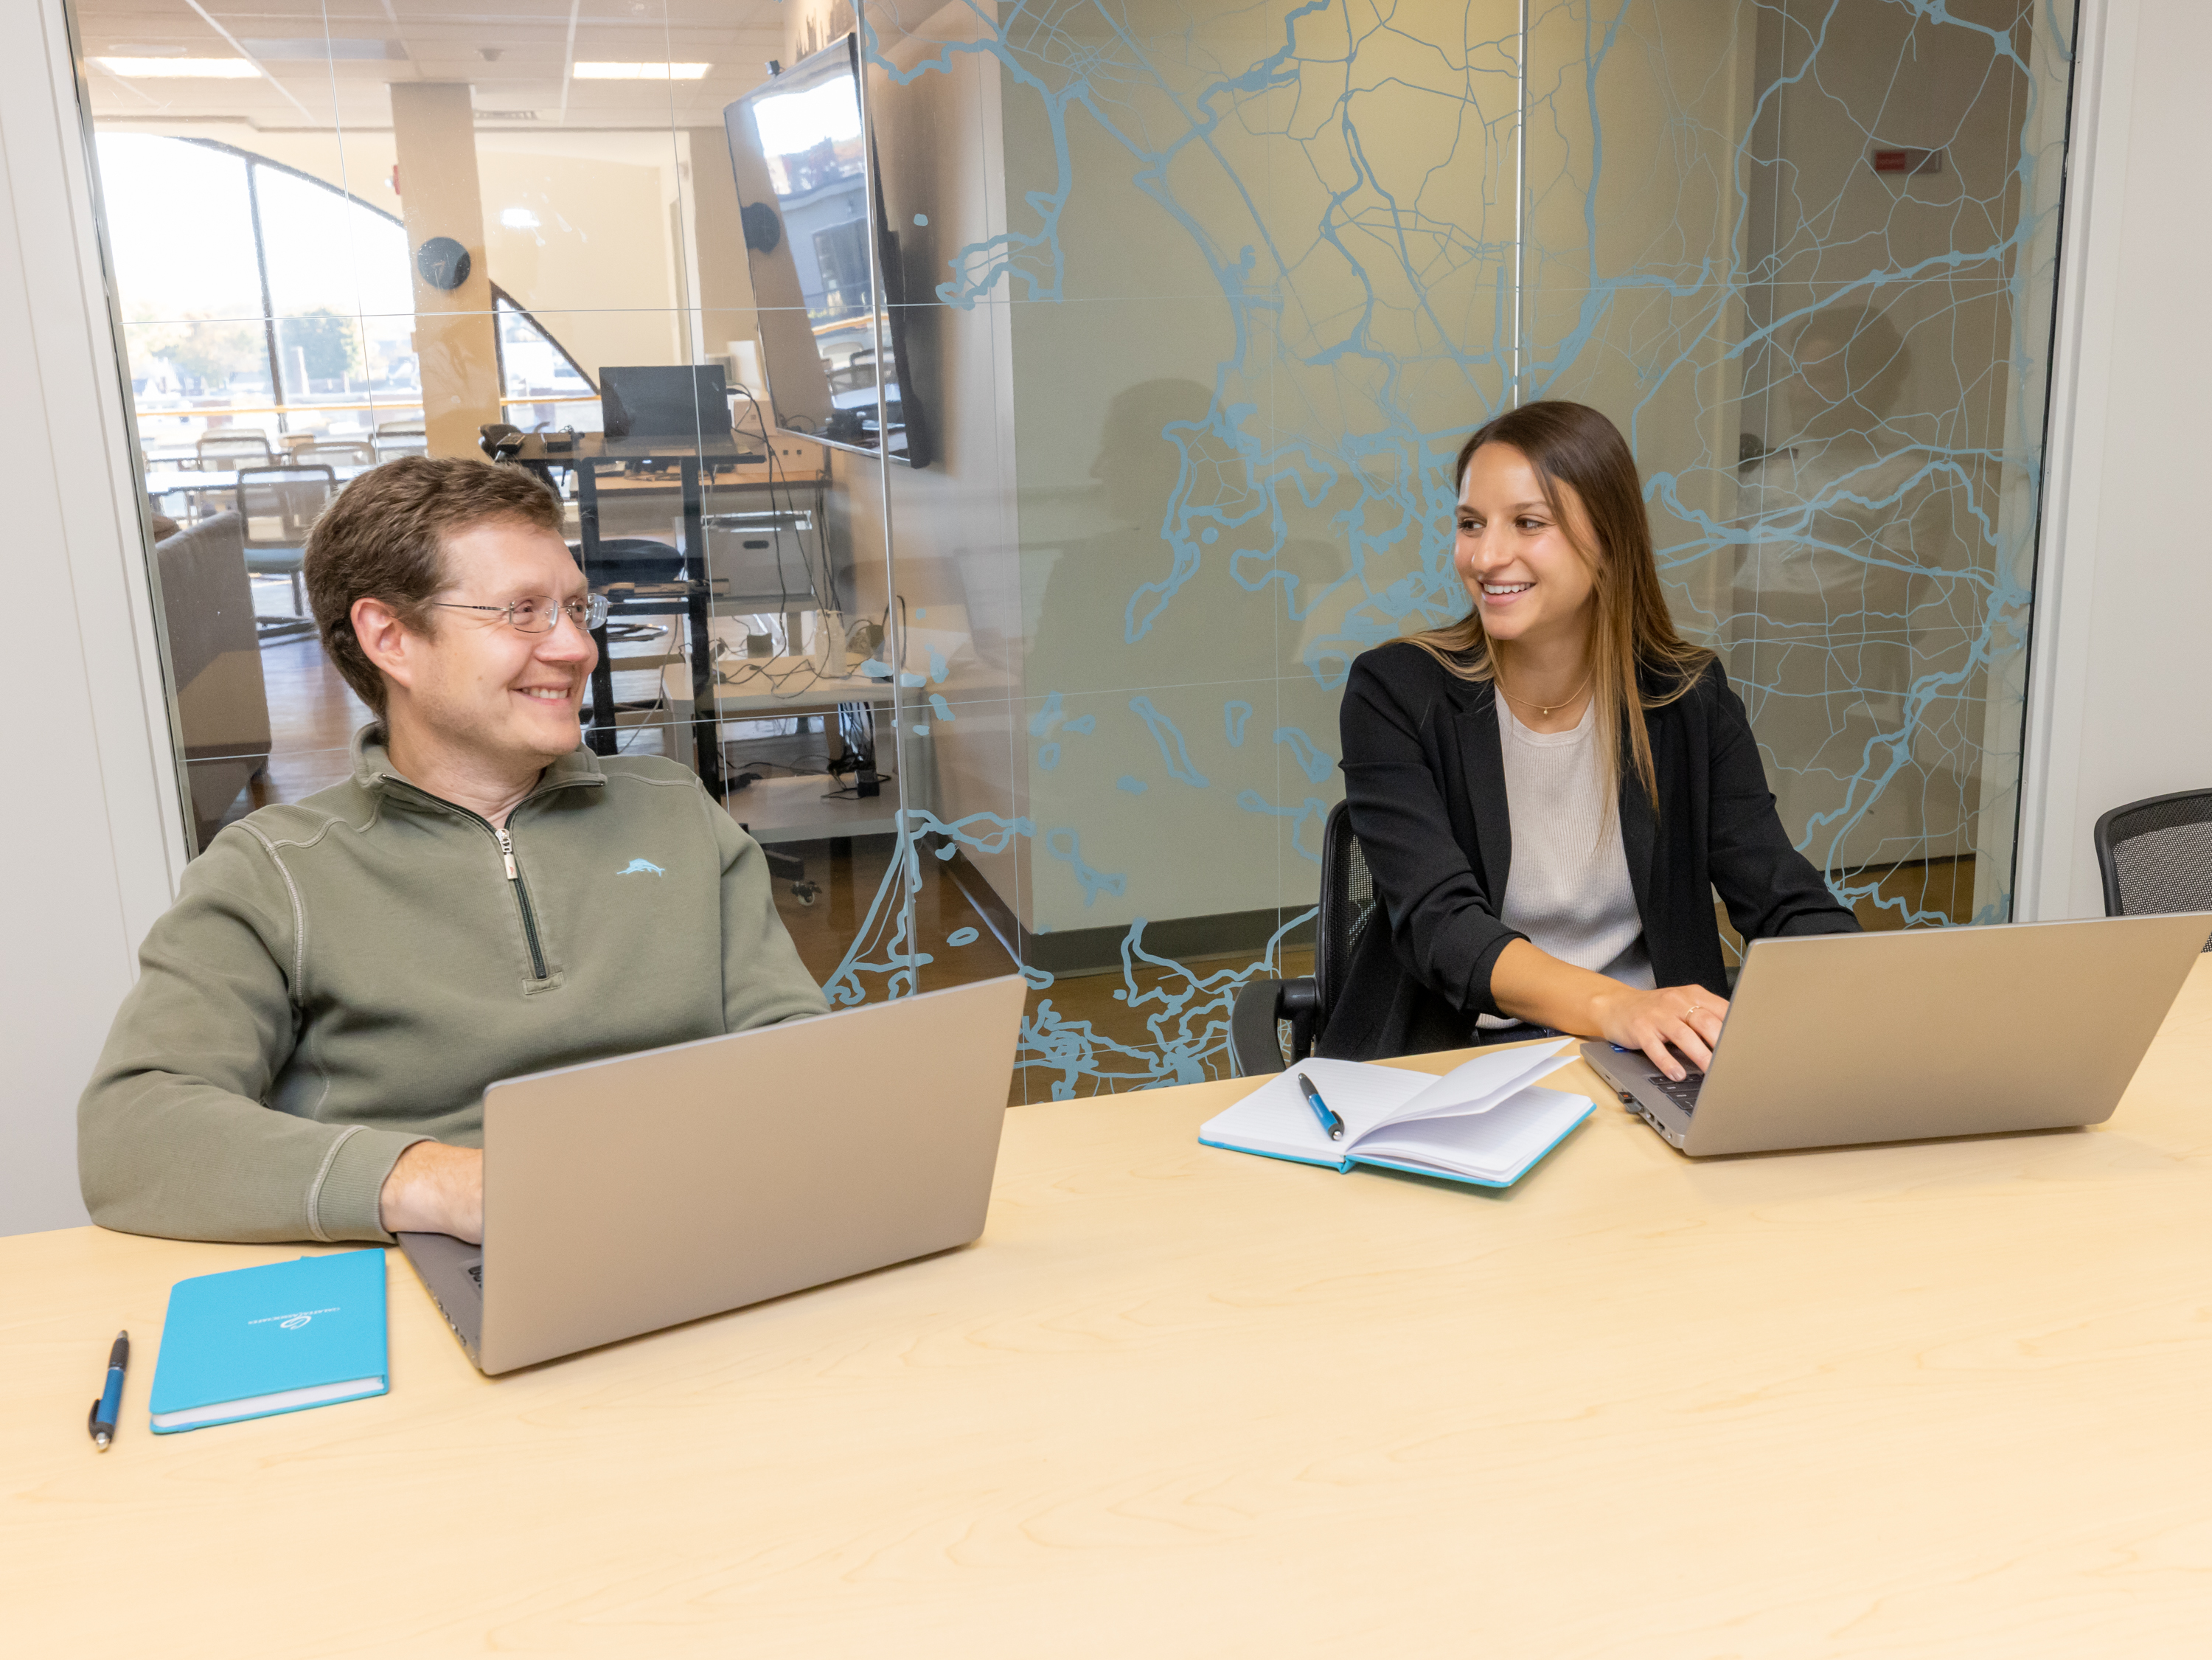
column 109, row 1407
column 1329, row 1120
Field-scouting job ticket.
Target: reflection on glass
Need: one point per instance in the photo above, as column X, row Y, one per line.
column 1238, row 345
column 1283, row 325
column 1835, row 521
column 804, row 172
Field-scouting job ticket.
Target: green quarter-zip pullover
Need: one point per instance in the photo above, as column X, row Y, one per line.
column 342, row 977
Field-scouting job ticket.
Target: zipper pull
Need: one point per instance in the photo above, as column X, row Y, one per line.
column 507, row 849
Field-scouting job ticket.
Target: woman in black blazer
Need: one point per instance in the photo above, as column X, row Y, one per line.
column 1637, row 786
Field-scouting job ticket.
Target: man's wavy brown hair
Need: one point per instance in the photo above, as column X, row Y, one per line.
column 384, row 538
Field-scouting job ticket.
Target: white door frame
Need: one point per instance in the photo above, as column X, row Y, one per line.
column 2059, row 639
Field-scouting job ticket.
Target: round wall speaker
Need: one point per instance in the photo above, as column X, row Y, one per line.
column 443, row 262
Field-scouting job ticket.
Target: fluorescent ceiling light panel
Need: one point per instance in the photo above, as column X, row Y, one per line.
column 320, row 48
column 180, row 68
column 642, row 71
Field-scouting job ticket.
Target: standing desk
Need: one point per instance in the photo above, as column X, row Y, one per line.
column 1944, row 1399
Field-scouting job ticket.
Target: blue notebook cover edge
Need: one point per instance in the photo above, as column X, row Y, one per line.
column 384, row 1387
column 1588, row 1107
column 1339, row 1165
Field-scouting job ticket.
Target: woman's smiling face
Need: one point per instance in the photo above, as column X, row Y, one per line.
column 1522, row 567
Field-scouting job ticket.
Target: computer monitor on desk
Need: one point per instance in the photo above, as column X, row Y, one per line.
column 686, row 402
column 667, row 409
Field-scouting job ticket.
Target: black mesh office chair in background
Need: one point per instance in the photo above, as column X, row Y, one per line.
column 1264, row 1007
column 2155, row 855
column 278, row 505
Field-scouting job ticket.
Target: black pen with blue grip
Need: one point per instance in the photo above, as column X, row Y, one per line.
column 1329, row 1120
column 109, row 1407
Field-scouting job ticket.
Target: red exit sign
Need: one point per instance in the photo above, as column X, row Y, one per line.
column 1907, row 161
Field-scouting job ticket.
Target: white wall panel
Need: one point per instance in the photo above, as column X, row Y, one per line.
column 95, row 834
column 2121, row 688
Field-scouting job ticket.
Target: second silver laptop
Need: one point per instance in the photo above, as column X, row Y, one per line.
column 1835, row 1039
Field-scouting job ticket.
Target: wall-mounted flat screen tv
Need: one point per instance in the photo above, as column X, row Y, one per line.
column 832, row 319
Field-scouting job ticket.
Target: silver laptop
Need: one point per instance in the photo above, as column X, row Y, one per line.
column 631, row 1194
column 1835, row 1039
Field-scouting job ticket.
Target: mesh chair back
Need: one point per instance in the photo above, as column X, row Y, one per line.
column 2155, row 855
column 630, row 559
column 1348, row 903
column 335, row 452
column 233, row 448
column 279, row 503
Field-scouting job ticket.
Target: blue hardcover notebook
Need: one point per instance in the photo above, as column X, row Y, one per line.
column 1485, row 1122
column 278, row 1337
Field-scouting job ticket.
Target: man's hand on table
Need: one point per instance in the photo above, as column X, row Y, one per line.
column 435, row 1189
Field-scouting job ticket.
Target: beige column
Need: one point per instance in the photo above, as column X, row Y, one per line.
column 433, row 133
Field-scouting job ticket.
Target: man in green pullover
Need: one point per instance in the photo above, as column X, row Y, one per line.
column 305, row 1053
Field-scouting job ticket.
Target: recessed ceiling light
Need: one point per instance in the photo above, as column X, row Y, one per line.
column 184, row 69
column 642, row 71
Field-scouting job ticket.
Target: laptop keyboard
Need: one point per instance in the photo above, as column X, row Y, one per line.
column 1684, row 1094
column 475, row 1271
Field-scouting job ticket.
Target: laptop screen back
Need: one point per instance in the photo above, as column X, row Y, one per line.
column 627, row 1194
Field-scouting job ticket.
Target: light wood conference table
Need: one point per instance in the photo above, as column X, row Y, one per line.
column 1928, row 1400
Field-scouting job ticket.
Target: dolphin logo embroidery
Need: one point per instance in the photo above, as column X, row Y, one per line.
column 639, row 866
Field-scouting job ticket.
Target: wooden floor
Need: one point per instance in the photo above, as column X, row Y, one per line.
column 313, row 715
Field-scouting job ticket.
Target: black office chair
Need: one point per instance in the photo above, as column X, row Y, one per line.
column 632, row 559
column 279, row 506
column 2155, row 855
column 642, row 560
column 1264, row 1007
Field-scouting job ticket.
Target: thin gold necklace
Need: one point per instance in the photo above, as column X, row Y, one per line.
column 1531, row 703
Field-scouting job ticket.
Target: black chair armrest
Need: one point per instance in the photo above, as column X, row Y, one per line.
column 1255, row 1048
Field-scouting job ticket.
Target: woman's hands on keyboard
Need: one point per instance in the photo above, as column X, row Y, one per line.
column 1688, row 1017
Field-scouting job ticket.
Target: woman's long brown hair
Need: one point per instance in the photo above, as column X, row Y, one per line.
column 1573, row 446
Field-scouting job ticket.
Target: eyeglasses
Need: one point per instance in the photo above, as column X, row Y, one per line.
column 542, row 614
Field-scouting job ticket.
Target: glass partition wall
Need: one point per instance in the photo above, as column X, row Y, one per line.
column 1193, row 305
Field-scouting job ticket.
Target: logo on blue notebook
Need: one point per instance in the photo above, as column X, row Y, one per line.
column 639, row 868
column 290, row 1322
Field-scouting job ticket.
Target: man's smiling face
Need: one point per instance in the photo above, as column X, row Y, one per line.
column 481, row 686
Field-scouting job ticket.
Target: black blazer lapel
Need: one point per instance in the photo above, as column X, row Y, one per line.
column 1482, row 755
column 1639, row 837
column 1639, row 821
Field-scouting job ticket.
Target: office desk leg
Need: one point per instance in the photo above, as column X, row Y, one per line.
column 676, row 738
column 843, row 918
column 602, row 735
column 706, row 727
